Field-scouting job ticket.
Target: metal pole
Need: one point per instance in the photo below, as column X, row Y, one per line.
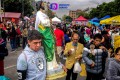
column 4, row 10
column 23, row 8
column 0, row 12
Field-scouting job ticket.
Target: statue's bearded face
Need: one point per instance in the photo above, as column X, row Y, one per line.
column 42, row 6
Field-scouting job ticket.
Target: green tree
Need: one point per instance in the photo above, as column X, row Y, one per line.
column 18, row 6
column 117, row 6
column 83, row 13
column 111, row 8
column 68, row 19
column 64, row 17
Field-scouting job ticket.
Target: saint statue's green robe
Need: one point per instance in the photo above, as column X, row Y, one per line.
column 48, row 41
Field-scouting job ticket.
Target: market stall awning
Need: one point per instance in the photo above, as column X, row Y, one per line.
column 112, row 20
column 105, row 17
column 55, row 19
column 10, row 15
column 81, row 18
column 95, row 19
column 95, row 23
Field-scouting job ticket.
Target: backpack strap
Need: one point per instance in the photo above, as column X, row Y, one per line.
column 25, row 56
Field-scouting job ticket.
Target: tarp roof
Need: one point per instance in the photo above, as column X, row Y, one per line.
column 95, row 19
column 81, row 18
column 55, row 19
column 11, row 15
column 105, row 17
column 112, row 20
column 95, row 23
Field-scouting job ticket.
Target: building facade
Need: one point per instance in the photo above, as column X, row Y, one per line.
column 73, row 13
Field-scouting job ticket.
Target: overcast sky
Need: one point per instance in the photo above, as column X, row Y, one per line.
column 76, row 4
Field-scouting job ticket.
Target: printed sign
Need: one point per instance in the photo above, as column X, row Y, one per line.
column 56, row 6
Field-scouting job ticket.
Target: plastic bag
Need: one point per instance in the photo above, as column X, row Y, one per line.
column 77, row 68
column 4, row 78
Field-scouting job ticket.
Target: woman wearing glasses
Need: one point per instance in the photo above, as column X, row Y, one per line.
column 113, row 67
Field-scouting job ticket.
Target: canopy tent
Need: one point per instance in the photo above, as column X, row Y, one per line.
column 55, row 19
column 81, row 21
column 81, row 18
column 106, row 21
column 112, row 20
column 116, row 41
column 95, row 19
column 26, row 18
column 105, row 17
column 11, row 16
column 115, row 20
column 95, row 23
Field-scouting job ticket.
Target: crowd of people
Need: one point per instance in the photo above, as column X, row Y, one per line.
column 44, row 43
column 75, row 43
column 13, row 34
column 97, row 49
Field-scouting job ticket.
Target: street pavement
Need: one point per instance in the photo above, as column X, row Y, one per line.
column 11, row 61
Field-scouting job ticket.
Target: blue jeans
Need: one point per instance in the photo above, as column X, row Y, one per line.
column 13, row 43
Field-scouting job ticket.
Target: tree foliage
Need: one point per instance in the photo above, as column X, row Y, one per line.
column 64, row 17
column 68, row 19
column 18, row 6
column 50, row 13
column 111, row 8
column 83, row 13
